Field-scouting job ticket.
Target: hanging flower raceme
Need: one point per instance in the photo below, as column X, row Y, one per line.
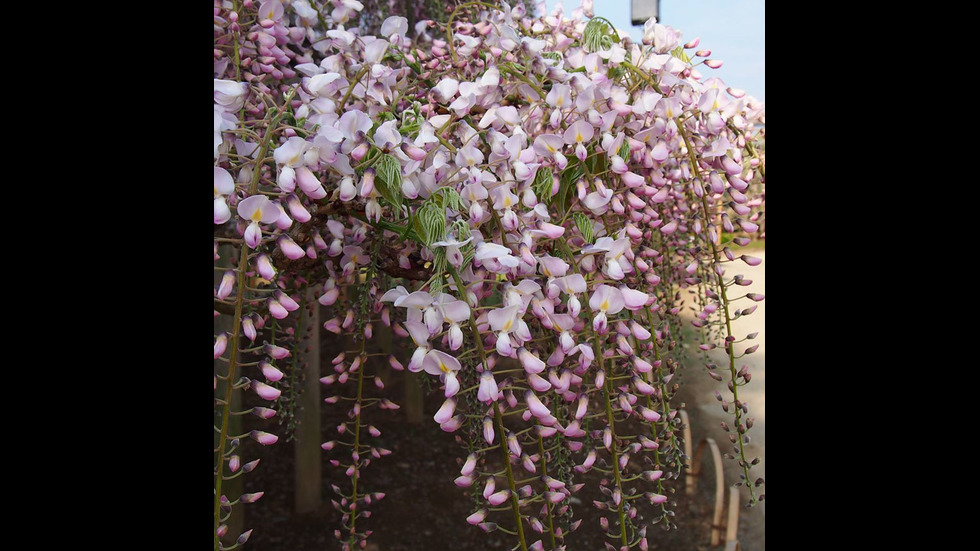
column 463, row 184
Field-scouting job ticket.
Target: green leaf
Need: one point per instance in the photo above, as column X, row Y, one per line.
column 594, row 32
column 599, row 34
column 431, row 220
column 543, row 182
column 678, row 52
column 585, row 226
column 448, row 198
column 624, row 149
column 462, row 230
column 468, row 253
column 438, row 267
column 389, row 179
column 557, row 56
column 572, row 173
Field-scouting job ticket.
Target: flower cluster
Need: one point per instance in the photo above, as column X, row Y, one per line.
column 522, row 199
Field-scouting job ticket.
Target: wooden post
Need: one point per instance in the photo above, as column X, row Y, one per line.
column 414, row 399
column 689, row 481
column 731, row 529
column 716, row 522
column 307, row 452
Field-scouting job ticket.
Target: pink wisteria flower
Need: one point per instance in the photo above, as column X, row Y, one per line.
column 257, row 209
column 452, row 311
column 439, row 363
column 506, row 321
column 495, row 168
column 453, row 253
column 223, row 185
column 606, row 300
column 579, row 133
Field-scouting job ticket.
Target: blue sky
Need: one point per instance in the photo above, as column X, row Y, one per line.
column 734, row 31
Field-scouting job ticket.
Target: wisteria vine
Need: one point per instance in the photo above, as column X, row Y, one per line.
column 520, row 198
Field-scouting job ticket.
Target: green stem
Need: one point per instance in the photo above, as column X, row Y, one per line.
column 729, row 346
column 607, row 390
column 357, row 444
column 236, row 331
column 515, row 502
column 350, row 89
column 544, row 472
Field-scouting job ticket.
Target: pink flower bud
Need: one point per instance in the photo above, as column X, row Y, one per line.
column 513, row 445
column 244, row 537
column 489, row 487
column 227, row 284
column 469, row 466
column 367, row 183
column 488, row 432
column 587, row 464
column 251, row 498
column 264, row 266
column 445, row 412
column 477, row 517
column 276, row 352
column 297, row 210
column 535, row 405
column 270, row 372
column 265, row 391
column 263, row 438
column 415, row 153
column 264, row 413
column 499, row 497
column 277, row 310
column 220, row 344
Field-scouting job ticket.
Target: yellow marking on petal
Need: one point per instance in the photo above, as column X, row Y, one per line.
column 546, row 271
column 550, row 149
column 578, row 137
column 508, row 325
column 257, row 215
column 605, row 305
column 558, row 327
column 507, row 201
column 443, row 367
column 560, row 101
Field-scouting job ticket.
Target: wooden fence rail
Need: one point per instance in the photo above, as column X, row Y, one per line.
column 693, row 471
